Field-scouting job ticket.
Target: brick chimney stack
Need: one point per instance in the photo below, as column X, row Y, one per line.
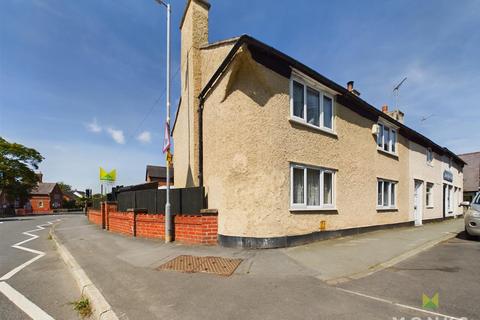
column 351, row 89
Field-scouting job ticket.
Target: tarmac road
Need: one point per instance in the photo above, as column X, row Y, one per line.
column 32, row 287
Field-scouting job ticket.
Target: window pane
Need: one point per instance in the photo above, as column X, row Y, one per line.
column 298, row 99
column 380, row 189
column 313, row 107
column 385, row 193
column 380, row 136
column 298, row 185
column 327, row 188
column 394, row 140
column 313, row 187
column 392, row 194
column 386, row 138
column 327, row 112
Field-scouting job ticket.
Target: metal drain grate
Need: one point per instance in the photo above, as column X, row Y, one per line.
column 216, row 265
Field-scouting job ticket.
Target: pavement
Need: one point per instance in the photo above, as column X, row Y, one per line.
column 377, row 275
column 40, row 287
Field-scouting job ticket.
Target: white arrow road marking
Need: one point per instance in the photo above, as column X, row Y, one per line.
column 32, row 310
column 16, row 297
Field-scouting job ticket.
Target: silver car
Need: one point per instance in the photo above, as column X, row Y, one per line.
column 472, row 217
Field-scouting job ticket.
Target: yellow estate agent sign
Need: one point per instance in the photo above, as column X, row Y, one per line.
column 108, row 176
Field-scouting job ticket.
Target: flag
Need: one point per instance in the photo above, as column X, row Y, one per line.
column 166, row 138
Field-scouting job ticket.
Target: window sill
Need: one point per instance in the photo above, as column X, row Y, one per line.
column 328, row 131
column 387, row 209
column 430, row 164
column 313, row 209
column 395, row 155
column 429, row 207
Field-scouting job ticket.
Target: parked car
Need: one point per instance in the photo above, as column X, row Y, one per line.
column 472, row 217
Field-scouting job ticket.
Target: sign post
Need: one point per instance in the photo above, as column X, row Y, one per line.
column 108, row 177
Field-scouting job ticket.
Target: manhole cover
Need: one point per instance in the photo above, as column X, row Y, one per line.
column 217, row 265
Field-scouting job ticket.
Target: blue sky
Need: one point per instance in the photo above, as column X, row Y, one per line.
column 83, row 81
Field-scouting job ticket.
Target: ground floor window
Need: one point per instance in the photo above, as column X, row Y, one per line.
column 386, row 194
column 40, row 204
column 429, row 195
column 311, row 188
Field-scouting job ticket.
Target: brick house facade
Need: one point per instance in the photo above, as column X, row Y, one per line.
column 46, row 197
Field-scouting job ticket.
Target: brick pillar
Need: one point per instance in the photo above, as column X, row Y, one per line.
column 102, row 212
column 110, row 206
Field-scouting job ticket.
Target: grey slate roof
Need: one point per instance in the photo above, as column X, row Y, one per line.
column 471, row 171
column 43, row 188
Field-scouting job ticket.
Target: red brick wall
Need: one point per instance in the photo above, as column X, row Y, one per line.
column 190, row 229
column 151, row 226
column 95, row 216
column 199, row 229
column 120, row 222
column 35, row 202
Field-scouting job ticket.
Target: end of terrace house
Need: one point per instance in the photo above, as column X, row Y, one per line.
column 288, row 156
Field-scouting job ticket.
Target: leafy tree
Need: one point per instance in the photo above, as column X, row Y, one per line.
column 17, row 165
column 64, row 187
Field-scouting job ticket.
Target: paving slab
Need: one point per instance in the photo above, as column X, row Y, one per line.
column 356, row 256
column 268, row 284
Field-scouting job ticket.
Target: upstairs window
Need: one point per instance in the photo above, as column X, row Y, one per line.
column 386, row 194
column 429, row 156
column 311, row 106
column 387, row 139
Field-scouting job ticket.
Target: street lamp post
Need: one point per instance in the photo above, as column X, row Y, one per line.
column 168, row 214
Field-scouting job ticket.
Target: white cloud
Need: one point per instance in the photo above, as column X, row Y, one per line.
column 117, row 135
column 94, row 126
column 144, row 137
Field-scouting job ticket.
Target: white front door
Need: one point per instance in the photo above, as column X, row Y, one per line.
column 418, row 202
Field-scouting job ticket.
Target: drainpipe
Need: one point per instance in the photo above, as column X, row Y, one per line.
column 200, row 141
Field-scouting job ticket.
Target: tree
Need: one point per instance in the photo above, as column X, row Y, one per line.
column 17, row 165
column 64, row 187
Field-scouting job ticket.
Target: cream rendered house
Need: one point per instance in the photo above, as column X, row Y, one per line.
column 286, row 155
column 436, row 183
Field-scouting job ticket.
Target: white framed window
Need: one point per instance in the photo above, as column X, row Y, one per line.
column 311, row 106
column 311, row 187
column 386, row 194
column 40, row 204
column 387, row 139
column 429, row 156
column 429, row 195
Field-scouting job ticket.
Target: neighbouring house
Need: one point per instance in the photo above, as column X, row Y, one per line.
column 79, row 194
column 158, row 174
column 288, row 156
column 45, row 197
column 471, row 175
column 69, row 196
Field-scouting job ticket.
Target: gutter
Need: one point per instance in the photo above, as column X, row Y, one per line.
column 366, row 109
column 200, row 141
